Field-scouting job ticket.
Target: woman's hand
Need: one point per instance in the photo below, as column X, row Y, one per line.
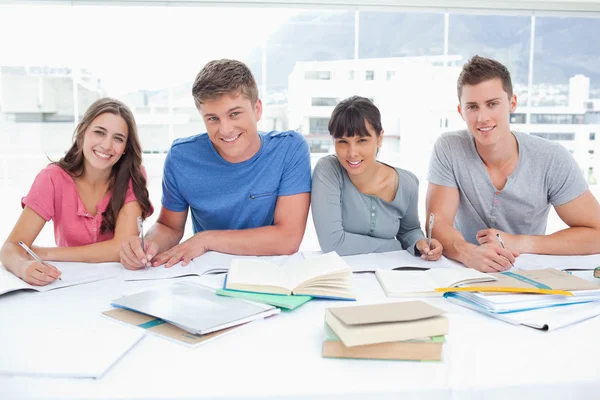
column 432, row 253
column 39, row 274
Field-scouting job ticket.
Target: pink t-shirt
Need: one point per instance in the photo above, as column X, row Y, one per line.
column 54, row 196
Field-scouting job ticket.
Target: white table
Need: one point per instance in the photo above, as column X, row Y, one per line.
column 280, row 358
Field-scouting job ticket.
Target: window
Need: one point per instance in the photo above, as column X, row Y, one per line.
column 557, row 119
column 324, row 101
column 592, row 135
column 390, row 75
column 518, row 118
column 319, row 126
column 555, row 136
column 318, row 75
column 351, row 75
column 369, row 75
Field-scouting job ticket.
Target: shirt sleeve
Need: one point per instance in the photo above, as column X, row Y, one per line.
column 130, row 196
column 565, row 180
column 327, row 215
column 441, row 171
column 296, row 174
column 171, row 196
column 41, row 194
column 410, row 231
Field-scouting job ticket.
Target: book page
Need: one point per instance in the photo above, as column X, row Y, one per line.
column 207, row 263
column 406, row 283
column 258, row 273
column 316, row 267
column 541, row 261
column 389, row 260
column 73, row 273
column 450, row 277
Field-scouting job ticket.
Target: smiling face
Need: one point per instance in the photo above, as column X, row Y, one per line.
column 231, row 121
column 486, row 108
column 358, row 154
column 104, row 142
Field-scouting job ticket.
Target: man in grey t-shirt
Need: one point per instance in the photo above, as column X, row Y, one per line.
column 488, row 182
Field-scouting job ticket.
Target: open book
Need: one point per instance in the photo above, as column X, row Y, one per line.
column 73, row 273
column 211, row 262
column 325, row 276
column 424, row 283
column 398, row 260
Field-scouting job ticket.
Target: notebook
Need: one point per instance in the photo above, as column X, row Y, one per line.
column 210, row 262
column 73, row 273
column 287, row 302
column 387, row 322
column 543, row 281
column 543, row 261
column 163, row 329
column 424, row 283
column 422, row 349
column 545, row 319
column 67, row 352
column 326, row 276
column 194, row 308
column 398, row 260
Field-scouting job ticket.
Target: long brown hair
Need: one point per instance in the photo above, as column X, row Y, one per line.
column 128, row 167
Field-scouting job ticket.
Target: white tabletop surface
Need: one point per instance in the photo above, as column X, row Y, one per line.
column 280, row 358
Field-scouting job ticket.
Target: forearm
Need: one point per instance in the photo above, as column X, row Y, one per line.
column 13, row 257
column 454, row 244
column 164, row 236
column 105, row 251
column 347, row 243
column 263, row 241
column 570, row 241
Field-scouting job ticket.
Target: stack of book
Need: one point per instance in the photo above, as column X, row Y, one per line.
column 412, row 330
column 532, row 298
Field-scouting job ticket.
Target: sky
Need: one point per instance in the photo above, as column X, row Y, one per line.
column 133, row 47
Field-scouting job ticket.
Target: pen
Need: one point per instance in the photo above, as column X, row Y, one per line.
column 32, row 254
column 503, row 246
column 431, row 218
column 140, row 222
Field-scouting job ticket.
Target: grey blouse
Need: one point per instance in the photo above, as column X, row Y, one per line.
column 350, row 222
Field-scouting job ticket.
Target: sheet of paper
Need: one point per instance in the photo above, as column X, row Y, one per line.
column 70, row 352
column 390, row 260
column 210, row 262
column 541, row 261
column 73, row 273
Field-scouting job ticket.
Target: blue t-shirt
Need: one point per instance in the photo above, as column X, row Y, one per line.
column 224, row 195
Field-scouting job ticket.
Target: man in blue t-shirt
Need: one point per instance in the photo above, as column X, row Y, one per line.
column 248, row 192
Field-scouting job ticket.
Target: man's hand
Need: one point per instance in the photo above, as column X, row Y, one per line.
column 512, row 242
column 489, row 257
column 133, row 257
column 185, row 251
column 432, row 253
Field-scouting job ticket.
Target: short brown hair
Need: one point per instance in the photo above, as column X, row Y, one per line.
column 219, row 77
column 349, row 116
column 480, row 69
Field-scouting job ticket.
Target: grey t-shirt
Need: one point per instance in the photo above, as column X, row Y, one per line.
column 546, row 174
column 350, row 222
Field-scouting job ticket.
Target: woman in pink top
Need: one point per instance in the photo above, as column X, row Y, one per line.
column 94, row 195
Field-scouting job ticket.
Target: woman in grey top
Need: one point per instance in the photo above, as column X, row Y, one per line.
column 360, row 205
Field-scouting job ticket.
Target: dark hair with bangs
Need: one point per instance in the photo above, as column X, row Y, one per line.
column 348, row 118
